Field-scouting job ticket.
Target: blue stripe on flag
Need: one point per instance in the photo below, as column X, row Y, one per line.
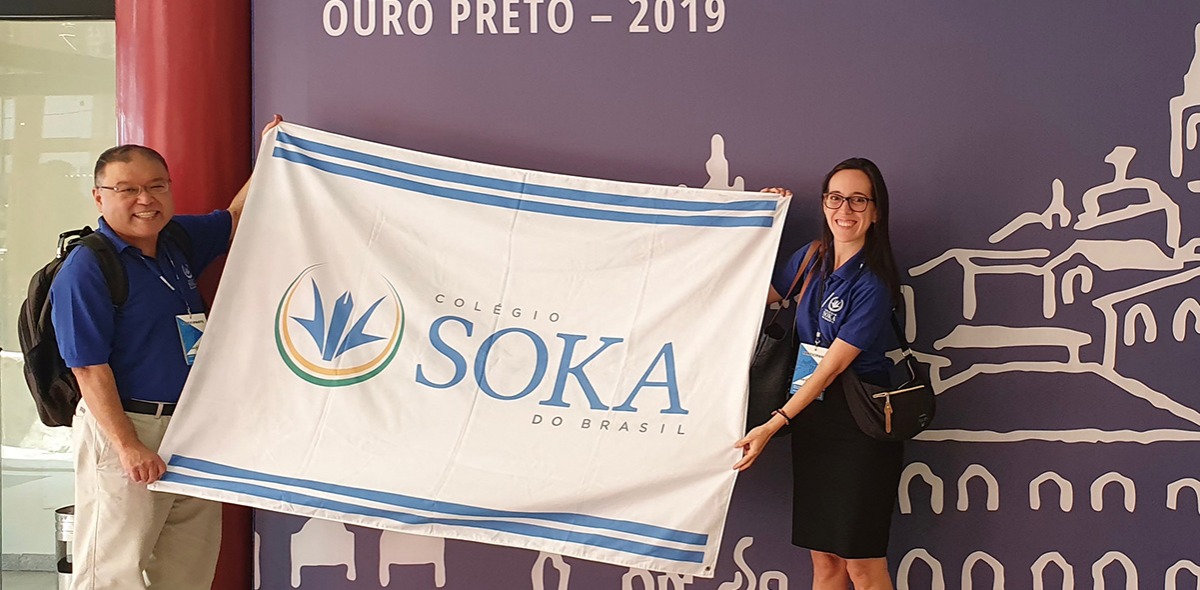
column 523, row 188
column 528, row 530
column 583, row 520
column 518, row 204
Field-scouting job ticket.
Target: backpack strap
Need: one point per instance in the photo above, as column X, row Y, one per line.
column 110, row 262
column 110, row 266
column 181, row 239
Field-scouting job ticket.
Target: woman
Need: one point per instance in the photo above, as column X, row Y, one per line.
column 845, row 482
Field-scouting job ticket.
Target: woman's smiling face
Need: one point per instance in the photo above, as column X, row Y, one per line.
column 849, row 227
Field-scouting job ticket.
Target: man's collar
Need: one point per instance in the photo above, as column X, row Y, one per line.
column 117, row 241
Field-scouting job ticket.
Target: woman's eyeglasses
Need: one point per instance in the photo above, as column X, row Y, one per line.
column 834, row 201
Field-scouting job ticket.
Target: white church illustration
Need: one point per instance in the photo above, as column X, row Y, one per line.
column 1162, row 308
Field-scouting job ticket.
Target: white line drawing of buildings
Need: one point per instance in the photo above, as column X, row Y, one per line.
column 1190, row 97
column 993, row 487
column 747, row 578
column 1039, row 570
column 1189, row 308
column 403, row 549
column 773, row 580
column 906, row 564
column 257, row 561
column 1174, row 488
column 1127, row 487
column 643, row 576
column 718, row 168
column 1131, row 576
column 937, row 488
column 1183, row 565
column 557, row 563
column 1066, row 491
column 1156, row 200
column 647, row 579
column 1056, row 210
column 993, row 563
column 322, row 543
column 674, row 581
column 1134, row 315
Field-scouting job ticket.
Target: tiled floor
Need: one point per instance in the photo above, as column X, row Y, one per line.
column 29, row 580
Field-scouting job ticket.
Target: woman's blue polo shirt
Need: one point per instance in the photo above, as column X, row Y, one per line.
column 138, row 340
column 852, row 303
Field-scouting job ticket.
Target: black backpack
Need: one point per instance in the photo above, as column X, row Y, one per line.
column 53, row 385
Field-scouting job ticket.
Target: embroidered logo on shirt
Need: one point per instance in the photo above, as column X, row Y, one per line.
column 832, row 307
column 187, row 273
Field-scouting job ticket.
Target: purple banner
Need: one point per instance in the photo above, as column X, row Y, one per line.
column 1043, row 163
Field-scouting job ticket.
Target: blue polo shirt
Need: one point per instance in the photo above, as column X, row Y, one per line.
column 852, row 303
column 138, row 340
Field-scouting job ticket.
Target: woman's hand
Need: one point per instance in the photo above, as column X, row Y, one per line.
column 754, row 442
column 779, row 190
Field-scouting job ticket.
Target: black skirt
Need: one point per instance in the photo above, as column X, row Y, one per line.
column 845, row 482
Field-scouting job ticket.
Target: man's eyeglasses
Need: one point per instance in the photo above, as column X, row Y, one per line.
column 835, row 200
column 129, row 192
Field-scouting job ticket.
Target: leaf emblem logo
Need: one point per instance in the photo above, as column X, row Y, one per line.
column 333, row 343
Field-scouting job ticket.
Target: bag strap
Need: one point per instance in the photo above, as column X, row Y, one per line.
column 904, row 346
column 180, row 238
column 808, row 256
column 909, row 360
column 110, row 266
column 109, row 260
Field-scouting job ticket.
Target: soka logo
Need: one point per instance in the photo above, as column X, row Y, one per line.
column 835, row 305
column 832, row 307
column 336, row 345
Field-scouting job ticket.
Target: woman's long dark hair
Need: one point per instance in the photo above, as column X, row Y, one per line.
column 877, row 252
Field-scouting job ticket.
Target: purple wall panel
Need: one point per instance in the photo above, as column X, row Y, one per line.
column 972, row 110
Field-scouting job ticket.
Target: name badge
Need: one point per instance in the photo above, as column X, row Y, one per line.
column 807, row 359
column 191, row 328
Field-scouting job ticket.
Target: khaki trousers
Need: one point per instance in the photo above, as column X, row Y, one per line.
column 127, row 537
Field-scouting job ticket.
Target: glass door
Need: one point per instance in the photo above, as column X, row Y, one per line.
column 57, row 113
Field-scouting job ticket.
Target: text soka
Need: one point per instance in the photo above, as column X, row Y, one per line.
column 567, row 367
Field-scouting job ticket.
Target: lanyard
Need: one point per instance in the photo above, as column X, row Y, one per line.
column 833, row 294
column 157, row 269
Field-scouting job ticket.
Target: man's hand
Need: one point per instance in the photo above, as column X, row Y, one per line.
column 239, row 199
column 99, row 389
column 140, row 463
column 277, row 119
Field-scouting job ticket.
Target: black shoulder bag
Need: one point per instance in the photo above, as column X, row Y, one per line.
column 892, row 414
column 775, row 356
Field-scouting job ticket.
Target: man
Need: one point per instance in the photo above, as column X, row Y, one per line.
column 131, row 363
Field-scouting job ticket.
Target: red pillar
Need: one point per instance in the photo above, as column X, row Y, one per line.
column 183, row 88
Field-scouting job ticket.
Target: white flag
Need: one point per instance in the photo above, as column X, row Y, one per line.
column 427, row 345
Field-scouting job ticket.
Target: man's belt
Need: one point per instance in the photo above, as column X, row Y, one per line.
column 155, row 409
